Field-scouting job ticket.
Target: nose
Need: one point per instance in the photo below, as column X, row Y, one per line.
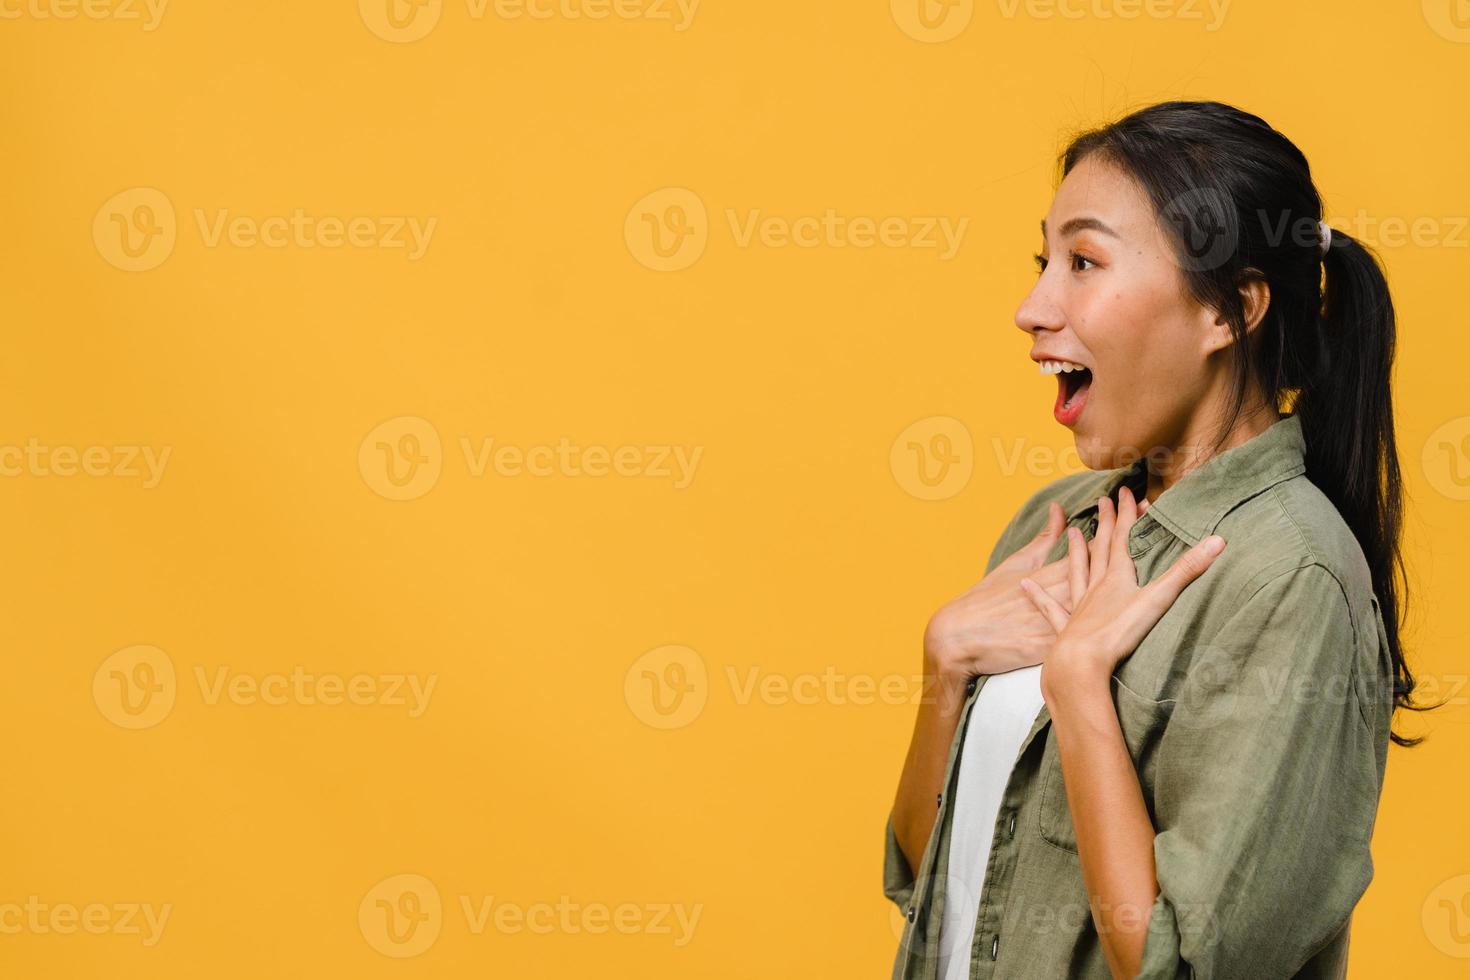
column 1040, row 311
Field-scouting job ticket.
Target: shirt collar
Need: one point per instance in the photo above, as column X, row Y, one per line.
column 1193, row 507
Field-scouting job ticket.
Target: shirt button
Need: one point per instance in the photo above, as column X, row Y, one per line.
column 910, row 914
column 1011, row 828
column 994, row 946
column 1092, row 526
column 970, row 688
column 939, row 800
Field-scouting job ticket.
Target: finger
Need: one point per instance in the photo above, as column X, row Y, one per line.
column 1039, row 546
column 1046, row 604
column 1102, row 538
column 1077, row 564
column 1032, row 554
column 1154, row 599
column 1143, row 506
column 1127, row 515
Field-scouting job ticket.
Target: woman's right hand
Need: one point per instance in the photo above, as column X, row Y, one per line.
column 994, row 626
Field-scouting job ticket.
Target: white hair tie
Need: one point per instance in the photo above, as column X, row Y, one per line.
column 1325, row 232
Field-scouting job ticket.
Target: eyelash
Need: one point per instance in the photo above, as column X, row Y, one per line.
column 1041, row 262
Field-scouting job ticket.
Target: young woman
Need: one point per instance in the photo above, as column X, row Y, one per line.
column 1159, row 725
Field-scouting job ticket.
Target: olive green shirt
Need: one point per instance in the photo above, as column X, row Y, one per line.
column 1257, row 715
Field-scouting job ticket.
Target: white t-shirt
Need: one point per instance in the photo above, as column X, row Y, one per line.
column 1001, row 718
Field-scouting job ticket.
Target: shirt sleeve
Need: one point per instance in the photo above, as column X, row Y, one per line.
column 1267, row 786
column 898, row 877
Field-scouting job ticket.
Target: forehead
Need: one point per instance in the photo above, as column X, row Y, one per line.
column 1099, row 189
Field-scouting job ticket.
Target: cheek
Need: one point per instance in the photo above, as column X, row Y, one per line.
column 1144, row 365
column 1116, row 330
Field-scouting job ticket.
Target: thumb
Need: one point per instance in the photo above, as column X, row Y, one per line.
column 1155, row 598
column 1056, row 523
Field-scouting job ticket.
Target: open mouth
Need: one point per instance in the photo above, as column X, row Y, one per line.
column 1073, row 383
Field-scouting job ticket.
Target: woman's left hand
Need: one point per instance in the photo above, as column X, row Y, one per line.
column 1114, row 614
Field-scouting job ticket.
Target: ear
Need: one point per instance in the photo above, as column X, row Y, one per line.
column 1255, row 299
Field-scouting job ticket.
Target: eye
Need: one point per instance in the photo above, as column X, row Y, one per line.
column 1040, row 263
column 1077, row 257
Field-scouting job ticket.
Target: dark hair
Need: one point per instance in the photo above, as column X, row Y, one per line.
column 1237, row 200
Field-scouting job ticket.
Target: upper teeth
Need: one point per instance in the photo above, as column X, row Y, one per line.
column 1058, row 367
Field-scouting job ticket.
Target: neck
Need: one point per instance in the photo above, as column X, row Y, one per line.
column 1199, row 444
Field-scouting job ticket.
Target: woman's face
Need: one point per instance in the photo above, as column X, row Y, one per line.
column 1111, row 298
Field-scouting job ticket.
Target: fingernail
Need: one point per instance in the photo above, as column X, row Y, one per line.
column 1214, row 544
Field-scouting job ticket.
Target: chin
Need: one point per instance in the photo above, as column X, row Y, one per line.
column 1095, row 455
column 1098, row 453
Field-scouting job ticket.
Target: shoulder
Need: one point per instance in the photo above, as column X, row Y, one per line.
column 1291, row 533
column 1295, row 599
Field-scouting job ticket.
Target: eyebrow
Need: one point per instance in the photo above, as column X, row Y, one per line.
column 1080, row 224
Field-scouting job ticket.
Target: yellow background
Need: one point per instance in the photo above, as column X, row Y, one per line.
column 801, row 546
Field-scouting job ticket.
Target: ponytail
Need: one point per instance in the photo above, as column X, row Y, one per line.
column 1346, row 409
